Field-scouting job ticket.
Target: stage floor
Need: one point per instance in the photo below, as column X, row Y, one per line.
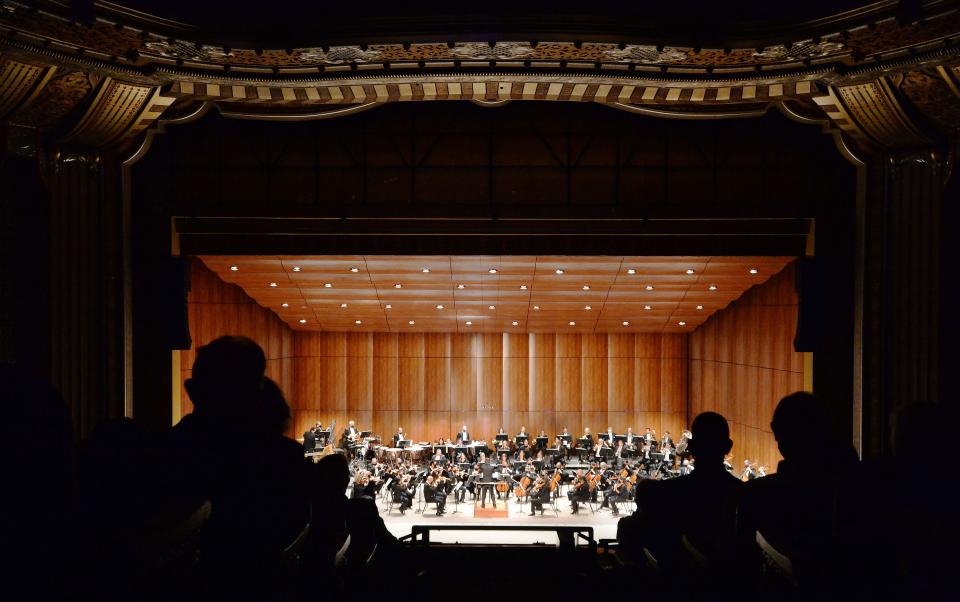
column 603, row 522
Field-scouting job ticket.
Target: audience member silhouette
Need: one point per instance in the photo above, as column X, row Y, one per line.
column 36, row 508
column 803, row 512
column 689, row 523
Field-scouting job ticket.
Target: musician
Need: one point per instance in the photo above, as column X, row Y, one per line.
column 398, row 437
column 541, row 436
column 631, row 444
column 613, row 494
column 486, row 478
column 521, row 455
column 610, row 435
column 578, row 492
column 309, row 441
column 587, row 437
column 464, row 435
column 620, row 452
column 351, row 432
column 403, row 490
column 648, row 436
column 667, row 439
column 538, row 494
column 437, row 455
column 749, row 472
column 522, row 438
column 363, row 486
column 434, row 492
column 728, row 463
column 668, row 455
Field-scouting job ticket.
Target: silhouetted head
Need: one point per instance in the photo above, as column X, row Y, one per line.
column 227, row 379
column 333, row 474
column 711, row 438
column 274, row 408
column 801, row 424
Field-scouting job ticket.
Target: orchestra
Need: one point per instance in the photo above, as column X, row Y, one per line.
column 602, row 471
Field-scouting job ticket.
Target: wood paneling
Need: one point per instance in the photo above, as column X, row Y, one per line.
column 742, row 363
column 216, row 308
column 541, row 381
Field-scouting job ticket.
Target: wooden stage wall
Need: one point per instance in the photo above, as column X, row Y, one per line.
column 742, row 363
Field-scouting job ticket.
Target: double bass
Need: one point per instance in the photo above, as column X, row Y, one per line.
column 521, row 489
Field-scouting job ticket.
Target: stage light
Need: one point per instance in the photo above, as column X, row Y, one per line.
column 389, row 306
column 411, row 322
column 273, row 285
column 626, row 323
column 682, row 323
column 690, row 272
column 572, row 323
column 440, row 307
column 327, row 285
column 296, row 268
column 425, row 270
column 398, row 285
column 754, row 271
column 647, row 307
column 234, row 268
column 523, row 287
column 586, row 287
column 354, row 270
column 469, row 323
column 515, row 323
column 587, row 307
column 631, row 271
column 699, row 307
column 493, row 307
column 492, row 270
column 303, row 321
column 343, row 305
column 357, row 322
column 712, row 287
column 649, row 287
column 284, row 305
column 559, row 271
column 461, row 287
column 536, row 307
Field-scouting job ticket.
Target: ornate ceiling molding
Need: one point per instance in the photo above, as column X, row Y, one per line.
column 884, row 84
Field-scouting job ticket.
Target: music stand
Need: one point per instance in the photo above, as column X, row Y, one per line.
column 604, row 436
column 541, row 442
column 520, row 438
column 501, row 437
column 404, row 443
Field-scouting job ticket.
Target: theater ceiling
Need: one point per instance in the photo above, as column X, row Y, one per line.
column 380, row 293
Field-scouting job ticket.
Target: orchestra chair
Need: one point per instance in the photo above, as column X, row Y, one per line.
column 385, row 493
column 779, row 563
column 423, row 502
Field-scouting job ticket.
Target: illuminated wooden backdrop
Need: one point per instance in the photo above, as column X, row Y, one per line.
column 742, row 363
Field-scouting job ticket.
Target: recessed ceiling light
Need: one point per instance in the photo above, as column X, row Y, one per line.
column 515, row 323
column 354, row 270
column 649, row 287
column 492, row 270
column 411, row 322
column 327, row 285
column 358, row 322
column 754, row 271
column 699, row 307
column 343, row 305
column 536, row 307
column 398, row 285
column 712, row 287
column 284, row 305
column 690, row 271
column 296, row 268
column 303, row 321
column 461, row 287
column 572, row 323
column 587, row 307
column 440, row 307
column 631, row 271
column 586, row 287
column 493, row 307
column 559, row 271
column 425, row 270
column 469, row 323
column 647, row 307
column 273, row 284
column 682, row 323
column 234, row 268
column 523, row 287
column 625, row 323
column 389, row 306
